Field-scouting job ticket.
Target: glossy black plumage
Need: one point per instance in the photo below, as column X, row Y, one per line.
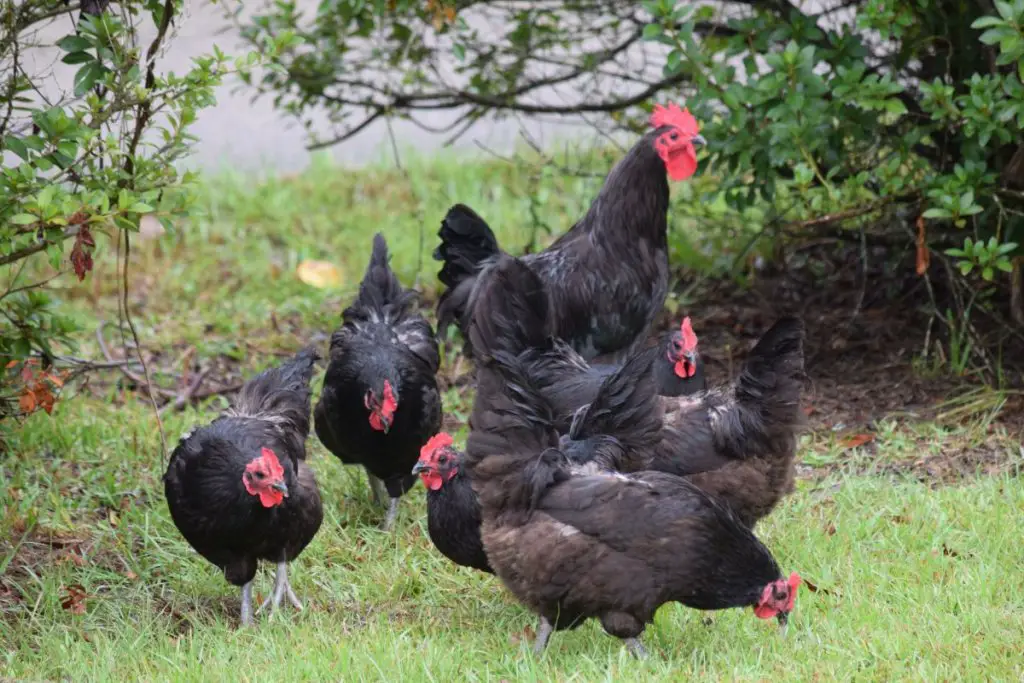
column 607, row 276
column 453, row 519
column 381, row 339
column 207, row 499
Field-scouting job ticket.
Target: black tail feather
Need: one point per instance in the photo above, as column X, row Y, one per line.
column 380, row 292
column 467, row 242
column 510, row 453
column 511, row 309
column 282, row 393
column 767, row 394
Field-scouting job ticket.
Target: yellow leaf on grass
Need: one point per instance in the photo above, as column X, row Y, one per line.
column 319, row 274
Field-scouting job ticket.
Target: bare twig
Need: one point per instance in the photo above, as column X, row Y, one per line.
column 185, row 396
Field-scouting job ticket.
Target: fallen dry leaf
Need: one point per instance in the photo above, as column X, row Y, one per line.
column 856, row 440
column 130, row 575
column 830, row 529
column 319, row 274
column 74, row 599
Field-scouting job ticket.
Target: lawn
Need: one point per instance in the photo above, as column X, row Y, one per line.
column 908, row 536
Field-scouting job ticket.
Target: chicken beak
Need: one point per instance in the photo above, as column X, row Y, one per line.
column 698, row 140
column 691, row 358
column 783, row 618
column 280, row 486
column 421, row 467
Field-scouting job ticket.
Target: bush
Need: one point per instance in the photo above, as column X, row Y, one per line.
column 898, row 119
column 91, row 162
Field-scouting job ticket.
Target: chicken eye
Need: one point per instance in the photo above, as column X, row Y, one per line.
column 258, row 474
column 673, row 136
column 443, row 460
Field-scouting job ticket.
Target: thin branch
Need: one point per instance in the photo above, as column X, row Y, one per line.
column 138, row 347
column 25, row 252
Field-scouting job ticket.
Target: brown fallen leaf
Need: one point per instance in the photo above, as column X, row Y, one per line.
column 814, row 588
column 130, row 575
column 856, row 440
column 830, row 529
column 74, row 599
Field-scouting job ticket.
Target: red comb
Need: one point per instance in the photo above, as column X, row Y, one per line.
column 439, row 440
column 676, row 117
column 794, row 584
column 689, row 338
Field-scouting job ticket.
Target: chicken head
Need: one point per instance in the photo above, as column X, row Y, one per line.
column 264, row 477
column 438, row 462
column 676, row 145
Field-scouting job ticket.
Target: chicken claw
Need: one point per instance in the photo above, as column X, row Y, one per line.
column 282, row 588
column 543, row 633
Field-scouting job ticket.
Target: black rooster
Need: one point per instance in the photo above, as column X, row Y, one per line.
column 380, row 401
column 239, row 490
column 608, row 275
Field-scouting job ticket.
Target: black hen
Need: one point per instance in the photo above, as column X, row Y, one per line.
column 239, row 490
column 737, row 442
column 615, row 547
column 380, row 401
column 453, row 513
column 516, row 309
column 608, row 275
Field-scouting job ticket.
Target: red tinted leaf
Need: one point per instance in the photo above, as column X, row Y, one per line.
column 856, row 440
column 81, row 253
column 27, row 401
column 74, row 599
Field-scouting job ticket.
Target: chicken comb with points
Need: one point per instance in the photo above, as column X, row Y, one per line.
column 675, row 117
column 689, row 337
column 439, row 440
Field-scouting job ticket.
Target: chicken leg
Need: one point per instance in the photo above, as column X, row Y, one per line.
column 543, row 633
column 636, row 647
column 376, row 488
column 391, row 516
column 282, row 588
column 247, row 604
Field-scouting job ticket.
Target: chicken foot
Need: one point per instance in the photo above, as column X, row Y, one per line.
column 544, row 630
column 282, row 588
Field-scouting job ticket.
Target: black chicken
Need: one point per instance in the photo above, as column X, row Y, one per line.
column 453, row 513
column 521, row 312
column 239, row 490
column 380, row 401
column 608, row 275
column 611, row 546
column 736, row 442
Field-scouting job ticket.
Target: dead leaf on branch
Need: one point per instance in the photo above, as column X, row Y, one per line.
column 81, row 253
column 924, row 257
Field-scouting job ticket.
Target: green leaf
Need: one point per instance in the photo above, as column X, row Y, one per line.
column 16, row 145
column 459, row 50
column 78, row 58
column 987, row 273
column 937, row 213
column 24, row 219
column 87, row 76
column 140, row 207
column 985, row 22
column 966, row 267
column 73, row 43
column 653, row 31
column 1004, row 265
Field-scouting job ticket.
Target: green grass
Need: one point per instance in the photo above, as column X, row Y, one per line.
column 913, row 582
